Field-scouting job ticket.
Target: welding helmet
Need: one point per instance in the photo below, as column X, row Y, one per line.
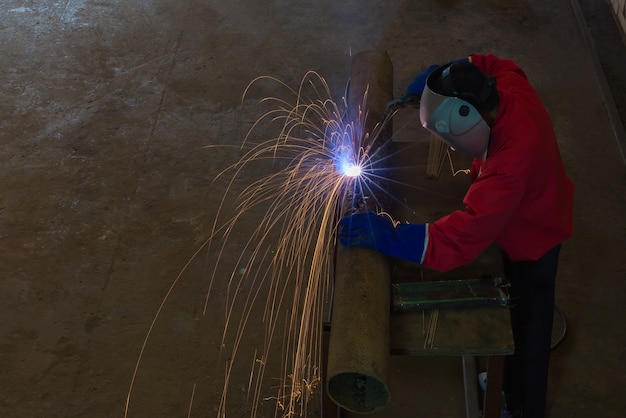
column 451, row 103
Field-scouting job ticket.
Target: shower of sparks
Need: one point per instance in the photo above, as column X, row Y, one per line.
column 322, row 165
column 322, row 160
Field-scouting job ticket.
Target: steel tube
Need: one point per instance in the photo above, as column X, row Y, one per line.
column 358, row 353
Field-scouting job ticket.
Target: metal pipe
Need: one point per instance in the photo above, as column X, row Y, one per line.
column 358, row 352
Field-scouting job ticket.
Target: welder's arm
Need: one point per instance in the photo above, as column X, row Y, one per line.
column 367, row 229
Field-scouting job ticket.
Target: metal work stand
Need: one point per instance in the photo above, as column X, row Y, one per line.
column 457, row 325
column 467, row 318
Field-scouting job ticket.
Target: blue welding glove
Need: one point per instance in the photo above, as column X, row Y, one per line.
column 419, row 82
column 367, row 229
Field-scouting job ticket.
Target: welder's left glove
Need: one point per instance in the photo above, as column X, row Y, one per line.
column 367, row 229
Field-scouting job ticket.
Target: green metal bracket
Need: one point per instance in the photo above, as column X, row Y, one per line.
column 416, row 296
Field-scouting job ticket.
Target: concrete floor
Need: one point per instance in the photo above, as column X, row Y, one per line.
column 107, row 190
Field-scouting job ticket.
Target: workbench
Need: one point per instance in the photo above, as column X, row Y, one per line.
column 467, row 333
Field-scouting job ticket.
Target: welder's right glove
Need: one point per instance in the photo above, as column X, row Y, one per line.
column 367, row 229
column 419, row 82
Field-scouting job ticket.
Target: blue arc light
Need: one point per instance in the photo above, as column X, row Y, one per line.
column 352, row 170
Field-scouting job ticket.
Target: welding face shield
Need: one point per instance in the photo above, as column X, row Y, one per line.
column 449, row 107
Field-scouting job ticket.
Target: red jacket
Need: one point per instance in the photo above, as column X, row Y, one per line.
column 520, row 196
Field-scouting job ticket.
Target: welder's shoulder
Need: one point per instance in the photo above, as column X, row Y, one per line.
column 514, row 153
column 497, row 67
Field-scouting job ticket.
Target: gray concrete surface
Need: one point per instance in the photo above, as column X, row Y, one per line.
column 107, row 189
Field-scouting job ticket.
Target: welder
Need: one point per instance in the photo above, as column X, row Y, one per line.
column 520, row 198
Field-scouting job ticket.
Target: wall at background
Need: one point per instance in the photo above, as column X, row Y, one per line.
column 619, row 9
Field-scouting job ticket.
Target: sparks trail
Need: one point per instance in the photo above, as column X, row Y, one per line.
column 319, row 160
column 325, row 160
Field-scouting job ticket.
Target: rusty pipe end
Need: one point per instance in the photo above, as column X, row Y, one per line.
column 358, row 393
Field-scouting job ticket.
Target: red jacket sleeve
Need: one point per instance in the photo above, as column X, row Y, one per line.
column 459, row 238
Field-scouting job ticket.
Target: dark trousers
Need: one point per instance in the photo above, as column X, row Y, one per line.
column 532, row 310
